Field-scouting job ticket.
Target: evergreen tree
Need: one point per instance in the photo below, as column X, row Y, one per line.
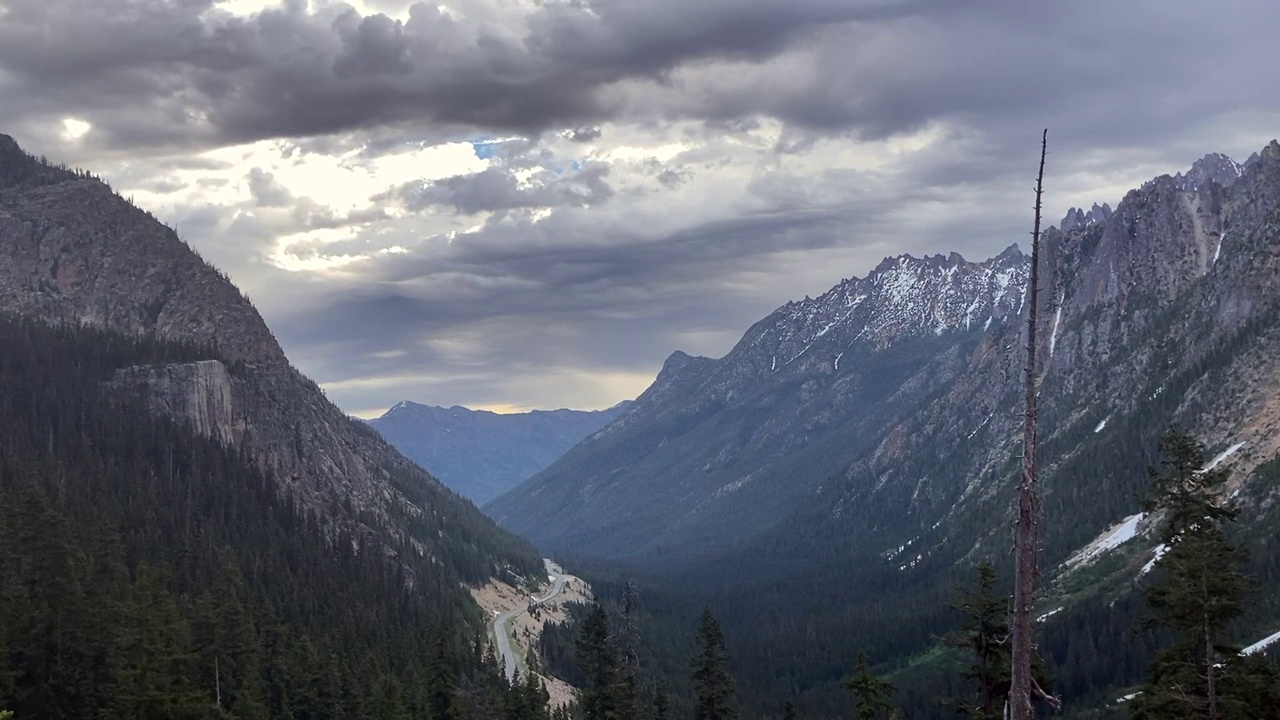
column 387, row 700
column 1197, row 590
column 713, row 693
column 626, row 686
column 661, row 704
column 789, row 711
column 442, row 681
column 872, row 693
column 599, row 663
column 984, row 636
column 153, row 655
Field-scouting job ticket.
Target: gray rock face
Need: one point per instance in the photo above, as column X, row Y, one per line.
column 482, row 454
column 198, row 393
column 1214, row 167
column 1076, row 218
column 723, row 439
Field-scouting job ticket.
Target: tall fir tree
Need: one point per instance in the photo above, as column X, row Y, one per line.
column 984, row 637
column 442, row 681
column 1196, row 591
column 872, row 693
column 661, row 704
column 713, row 692
column 626, row 685
column 599, row 662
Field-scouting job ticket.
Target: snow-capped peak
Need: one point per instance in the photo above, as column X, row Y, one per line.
column 903, row 296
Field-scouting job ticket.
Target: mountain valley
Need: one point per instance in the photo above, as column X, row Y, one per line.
column 482, row 454
column 825, row 486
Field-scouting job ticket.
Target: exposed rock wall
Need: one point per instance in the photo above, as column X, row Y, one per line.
column 197, row 393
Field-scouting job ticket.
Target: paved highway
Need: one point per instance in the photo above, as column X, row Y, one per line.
column 500, row 622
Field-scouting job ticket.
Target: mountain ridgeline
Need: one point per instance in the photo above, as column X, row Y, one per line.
column 73, row 252
column 852, row 451
column 710, row 452
column 483, row 454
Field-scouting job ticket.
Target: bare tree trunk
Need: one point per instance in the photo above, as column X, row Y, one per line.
column 1026, row 546
column 1208, row 666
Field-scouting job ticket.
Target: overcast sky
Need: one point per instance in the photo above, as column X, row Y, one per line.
column 522, row 204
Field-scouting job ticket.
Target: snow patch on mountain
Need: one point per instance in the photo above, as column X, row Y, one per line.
column 902, row 297
column 1261, row 645
column 1158, row 553
column 1110, row 539
column 1049, row 614
column 1057, row 321
column 1222, row 456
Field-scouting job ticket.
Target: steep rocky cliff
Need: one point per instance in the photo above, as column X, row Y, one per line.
column 198, row 393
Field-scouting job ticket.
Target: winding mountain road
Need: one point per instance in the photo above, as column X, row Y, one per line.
column 508, row 653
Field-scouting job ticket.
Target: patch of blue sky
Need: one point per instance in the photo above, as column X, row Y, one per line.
column 486, row 148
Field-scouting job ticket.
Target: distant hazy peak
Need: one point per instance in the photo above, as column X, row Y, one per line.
column 408, row 407
column 480, row 453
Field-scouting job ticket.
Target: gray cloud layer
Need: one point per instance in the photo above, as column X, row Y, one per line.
column 150, row 72
column 561, row 262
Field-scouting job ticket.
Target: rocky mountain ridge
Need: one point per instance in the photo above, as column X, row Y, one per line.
column 903, row 301
column 72, row 251
column 917, row 360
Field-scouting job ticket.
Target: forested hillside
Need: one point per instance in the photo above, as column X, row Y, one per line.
column 152, row 573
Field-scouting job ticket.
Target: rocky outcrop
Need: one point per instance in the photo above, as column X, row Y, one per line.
column 1076, row 218
column 1214, row 167
column 197, row 393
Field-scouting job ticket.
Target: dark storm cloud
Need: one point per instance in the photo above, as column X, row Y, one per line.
column 151, row 73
